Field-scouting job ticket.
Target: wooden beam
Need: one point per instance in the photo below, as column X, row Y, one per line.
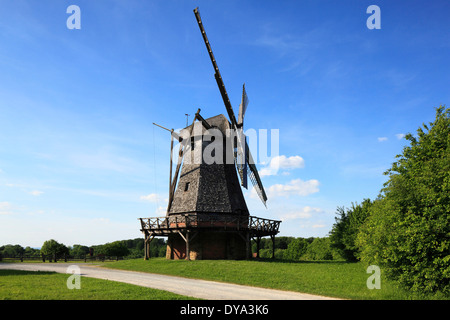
column 273, row 245
column 258, row 239
column 182, row 235
column 188, row 252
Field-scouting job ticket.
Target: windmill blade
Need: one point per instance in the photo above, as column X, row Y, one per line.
column 254, row 177
column 242, row 107
column 217, row 75
column 241, row 161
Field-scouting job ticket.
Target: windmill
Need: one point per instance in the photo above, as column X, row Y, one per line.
column 207, row 216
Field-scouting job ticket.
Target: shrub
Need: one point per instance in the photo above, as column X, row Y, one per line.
column 407, row 232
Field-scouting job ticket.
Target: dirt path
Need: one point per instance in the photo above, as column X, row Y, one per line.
column 203, row 289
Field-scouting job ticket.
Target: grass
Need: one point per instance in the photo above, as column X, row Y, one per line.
column 328, row 278
column 29, row 285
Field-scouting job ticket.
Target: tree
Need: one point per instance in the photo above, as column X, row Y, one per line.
column 116, row 248
column 347, row 225
column 319, row 249
column 12, row 250
column 407, row 232
column 79, row 251
column 54, row 248
column 296, row 249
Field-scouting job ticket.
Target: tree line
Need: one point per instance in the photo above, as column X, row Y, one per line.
column 287, row 248
column 129, row 249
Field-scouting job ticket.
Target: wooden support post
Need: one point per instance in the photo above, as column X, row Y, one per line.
column 258, row 239
column 145, row 247
column 248, row 247
column 147, row 241
column 273, row 246
column 188, row 252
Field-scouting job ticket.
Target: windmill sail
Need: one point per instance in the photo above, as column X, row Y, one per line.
column 242, row 107
column 254, row 176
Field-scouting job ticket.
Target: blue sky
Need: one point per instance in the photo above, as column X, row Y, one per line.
column 80, row 160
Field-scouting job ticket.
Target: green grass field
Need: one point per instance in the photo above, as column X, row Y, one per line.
column 28, row 285
column 328, row 278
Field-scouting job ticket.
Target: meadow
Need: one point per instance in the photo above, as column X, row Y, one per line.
column 338, row 279
column 29, row 285
column 347, row 280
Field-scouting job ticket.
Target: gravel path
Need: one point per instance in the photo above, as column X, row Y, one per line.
column 203, row 289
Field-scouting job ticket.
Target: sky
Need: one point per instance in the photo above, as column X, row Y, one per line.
column 80, row 160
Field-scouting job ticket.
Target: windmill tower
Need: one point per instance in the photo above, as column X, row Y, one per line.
column 207, row 217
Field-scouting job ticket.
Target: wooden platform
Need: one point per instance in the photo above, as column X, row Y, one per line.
column 188, row 226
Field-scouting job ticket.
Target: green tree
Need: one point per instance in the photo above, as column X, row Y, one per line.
column 296, row 249
column 54, row 249
column 12, row 250
column 345, row 229
column 319, row 249
column 408, row 230
column 79, row 251
column 116, row 248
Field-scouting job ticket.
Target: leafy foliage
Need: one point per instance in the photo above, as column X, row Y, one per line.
column 54, row 248
column 345, row 230
column 408, row 230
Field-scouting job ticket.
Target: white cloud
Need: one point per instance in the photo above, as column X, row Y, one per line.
column 36, row 192
column 303, row 213
column 5, row 208
column 318, row 226
column 296, row 187
column 282, row 162
column 381, row 139
column 152, row 197
column 400, row 136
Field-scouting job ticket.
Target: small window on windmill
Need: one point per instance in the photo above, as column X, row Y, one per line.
column 192, row 143
column 186, row 186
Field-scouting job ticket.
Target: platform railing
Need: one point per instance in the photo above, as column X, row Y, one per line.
column 226, row 222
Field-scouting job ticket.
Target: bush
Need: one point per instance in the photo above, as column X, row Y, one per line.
column 296, row 249
column 345, row 230
column 319, row 249
column 407, row 232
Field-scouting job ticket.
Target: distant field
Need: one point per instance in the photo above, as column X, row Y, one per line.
column 328, row 278
column 28, row 285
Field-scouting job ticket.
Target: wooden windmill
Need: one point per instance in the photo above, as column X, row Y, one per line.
column 207, row 217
